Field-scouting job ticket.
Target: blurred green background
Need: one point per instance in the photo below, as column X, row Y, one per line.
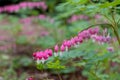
column 31, row 29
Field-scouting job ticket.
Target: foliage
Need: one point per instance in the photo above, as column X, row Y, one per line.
column 93, row 61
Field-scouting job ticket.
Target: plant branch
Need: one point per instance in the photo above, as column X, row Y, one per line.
column 60, row 78
column 117, row 35
column 114, row 19
column 114, row 30
column 95, row 75
column 97, row 25
column 108, row 19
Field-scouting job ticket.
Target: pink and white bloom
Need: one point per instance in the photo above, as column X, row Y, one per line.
column 110, row 49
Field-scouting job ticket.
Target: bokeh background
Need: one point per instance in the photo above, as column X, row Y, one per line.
column 27, row 26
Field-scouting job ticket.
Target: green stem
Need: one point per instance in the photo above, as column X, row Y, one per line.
column 108, row 19
column 116, row 34
column 114, row 22
column 60, row 78
column 95, row 75
column 97, row 25
column 115, row 28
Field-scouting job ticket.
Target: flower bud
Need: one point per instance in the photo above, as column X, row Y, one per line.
column 62, row 48
column 56, row 48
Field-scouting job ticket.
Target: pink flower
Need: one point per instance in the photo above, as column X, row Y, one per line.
column 43, row 5
column 42, row 56
column 73, row 42
column 45, row 56
column 30, row 78
column 56, row 48
column 74, row 18
column 113, row 64
column 27, row 20
column 1, row 10
column 80, row 39
column 23, row 5
column 62, row 48
column 108, row 38
column 4, row 47
column 42, row 16
column 92, row 33
column 68, row 44
column 93, row 30
column 98, row 16
column 39, row 55
column 48, row 52
column 96, row 29
column 110, row 49
column 76, row 39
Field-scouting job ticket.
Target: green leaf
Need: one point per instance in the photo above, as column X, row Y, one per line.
column 78, row 1
column 55, row 65
column 45, row 42
column 110, row 4
column 40, row 66
column 21, row 40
